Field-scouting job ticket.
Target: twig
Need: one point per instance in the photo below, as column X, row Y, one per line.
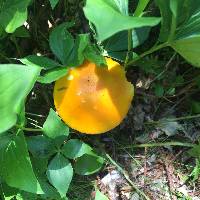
column 174, row 119
column 160, row 144
column 169, row 175
column 145, row 166
column 35, row 115
column 166, row 68
column 127, row 177
column 29, row 129
column 150, row 51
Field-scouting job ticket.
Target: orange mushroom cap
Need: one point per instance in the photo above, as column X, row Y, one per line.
column 92, row 99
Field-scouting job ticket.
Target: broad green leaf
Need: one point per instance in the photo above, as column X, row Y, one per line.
column 39, row 165
column 60, row 173
column 53, row 70
column 165, row 20
column 195, row 106
column 40, row 61
column 21, row 121
column 186, row 40
column 92, row 54
column 117, row 45
column 25, row 195
column 159, row 90
column 66, row 48
column 49, row 191
column 53, row 3
column 54, row 127
column 52, row 75
column 100, row 196
column 113, row 21
column 8, row 193
column 40, row 168
column 181, row 27
column 40, row 146
column 5, row 139
column 122, row 6
column 76, row 57
column 88, row 164
column 13, row 14
column 189, row 48
column 195, row 151
column 16, row 167
column 140, row 7
column 16, row 81
column 75, row 148
column 61, row 42
column 21, row 32
column 196, row 171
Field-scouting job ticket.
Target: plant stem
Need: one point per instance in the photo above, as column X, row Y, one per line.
column 142, row 4
column 166, row 68
column 160, row 144
column 153, row 49
column 129, row 47
column 29, row 129
column 127, row 177
column 35, row 115
column 16, row 46
column 174, row 119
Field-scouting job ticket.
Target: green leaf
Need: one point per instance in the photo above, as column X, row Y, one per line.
column 16, row 167
column 5, row 139
column 39, row 165
column 54, row 127
column 76, row 57
column 165, row 20
column 189, row 48
column 88, row 164
column 39, row 61
column 159, row 90
column 122, row 6
column 60, row 173
column 61, row 42
column 195, row 151
column 140, row 7
column 196, row 171
column 100, row 196
column 21, row 121
column 195, row 105
column 52, row 75
column 49, row 191
column 92, row 54
column 181, row 27
column 68, row 50
column 53, row 70
column 117, row 45
column 13, row 14
column 40, row 146
column 53, row 3
column 75, row 148
column 16, row 82
column 94, row 9
column 21, row 32
column 9, row 193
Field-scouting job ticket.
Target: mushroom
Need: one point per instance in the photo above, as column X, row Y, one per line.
column 92, row 99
